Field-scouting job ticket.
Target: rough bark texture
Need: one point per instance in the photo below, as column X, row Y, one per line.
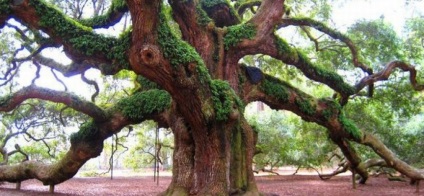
column 205, row 89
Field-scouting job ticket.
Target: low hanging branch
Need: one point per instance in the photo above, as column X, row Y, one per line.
column 33, row 92
column 88, row 141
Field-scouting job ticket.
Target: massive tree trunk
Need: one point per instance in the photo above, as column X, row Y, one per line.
column 205, row 89
column 215, row 161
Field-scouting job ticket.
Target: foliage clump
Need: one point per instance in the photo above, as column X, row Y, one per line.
column 237, row 33
column 350, row 127
column 143, row 103
column 332, row 107
column 271, row 86
column 212, row 3
column 87, row 132
column 81, row 37
column 177, row 51
column 305, row 106
column 116, row 6
column 223, row 99
column 146, row 84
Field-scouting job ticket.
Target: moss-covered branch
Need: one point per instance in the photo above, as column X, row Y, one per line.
column 332, row 33
column 116, row 11
column 79, row 41
column 142, row 104
column 328, row 113
column 281, row 95
column 294, row 57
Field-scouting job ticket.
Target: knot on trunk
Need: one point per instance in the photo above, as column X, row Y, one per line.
column 149, row 55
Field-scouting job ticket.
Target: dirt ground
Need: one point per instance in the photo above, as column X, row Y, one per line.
column 309, row 185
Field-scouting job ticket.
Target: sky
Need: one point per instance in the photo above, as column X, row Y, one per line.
column 394, row 12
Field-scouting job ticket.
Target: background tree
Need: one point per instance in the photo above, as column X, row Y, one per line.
column 193, row 79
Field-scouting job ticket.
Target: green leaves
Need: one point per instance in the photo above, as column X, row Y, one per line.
column 272, row 87
column 237, row 33
column 223, row 99
column 142, row 104
column 174, row 49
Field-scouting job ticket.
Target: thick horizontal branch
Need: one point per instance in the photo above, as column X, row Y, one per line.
column 281, row 95
column 80, row 42
column 387, row 71
column 280, row 49
column 10, row 102
column 330, row 32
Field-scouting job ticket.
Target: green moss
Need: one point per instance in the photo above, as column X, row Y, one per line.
column 146, row 84
column 332, row 108
column 330, row 76
column 223, row 98
column 118, row 52
column 174, row 49
column 202, row 17
column 284, row 48
column 235, row 34
column 212, row 3
column 141, row 104
column 81, row 37
column 238, row 149
column 271, row 86
column 179, row 52
column 87, row 132
column 116, row 6
column 350, row 127
column 4, row 7
column 311, row 69
column 305, row 106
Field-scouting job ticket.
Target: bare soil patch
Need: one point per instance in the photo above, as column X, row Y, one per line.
column 270, row 185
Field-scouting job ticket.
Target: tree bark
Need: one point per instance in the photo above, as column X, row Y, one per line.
column 213, row 161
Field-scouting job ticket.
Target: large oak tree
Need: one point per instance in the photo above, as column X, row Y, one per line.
column 201, row 87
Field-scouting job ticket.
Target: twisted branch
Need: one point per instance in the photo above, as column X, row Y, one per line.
column 387, row 71
column 32, row 92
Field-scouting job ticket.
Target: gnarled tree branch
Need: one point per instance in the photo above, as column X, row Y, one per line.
column 9, row 103
column 332, row 33
column 387, row 71
column 88, row 142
